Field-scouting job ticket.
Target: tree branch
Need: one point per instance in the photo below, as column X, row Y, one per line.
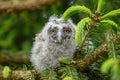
column 92, row 57
column 22, row 5
column 11, row 58
column 21, row 75
column 95, row 55
column 84, row 39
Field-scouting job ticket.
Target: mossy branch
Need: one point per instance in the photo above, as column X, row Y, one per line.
column 75, row 9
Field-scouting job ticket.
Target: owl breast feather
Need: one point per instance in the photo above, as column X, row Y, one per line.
column 64, row 50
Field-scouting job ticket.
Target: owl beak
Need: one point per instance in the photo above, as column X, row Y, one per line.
column 59, row 37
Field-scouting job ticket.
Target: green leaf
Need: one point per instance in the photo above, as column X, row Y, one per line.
column 109, row 24
column 116, row 68
column 69, row 71
column 49, row 74
column 65, row 61
column 67, row 78
column 100, row 5
column 107, row 65
column 74, row 9
column 6, row 72
column 113, row 13
column 80, row 29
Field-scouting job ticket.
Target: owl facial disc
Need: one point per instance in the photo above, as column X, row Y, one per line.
column 59, row 33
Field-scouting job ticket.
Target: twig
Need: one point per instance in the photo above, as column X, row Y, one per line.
column 85, row 37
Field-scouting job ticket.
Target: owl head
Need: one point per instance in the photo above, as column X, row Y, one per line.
column 57, row 30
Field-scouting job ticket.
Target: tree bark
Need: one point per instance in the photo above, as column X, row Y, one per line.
column 8, row 6
column 11, row 58
column 89, row 59
column 21, row 75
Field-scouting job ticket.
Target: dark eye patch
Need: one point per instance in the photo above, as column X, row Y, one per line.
column 67, row 30
column 52, row 30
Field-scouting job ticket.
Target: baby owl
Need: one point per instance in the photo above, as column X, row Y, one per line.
column 55, row 41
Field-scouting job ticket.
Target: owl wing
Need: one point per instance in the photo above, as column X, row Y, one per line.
column 37, row 50
column 38, row 44
column 39, row 37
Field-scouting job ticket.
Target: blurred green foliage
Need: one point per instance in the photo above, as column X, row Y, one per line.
column 17, row 30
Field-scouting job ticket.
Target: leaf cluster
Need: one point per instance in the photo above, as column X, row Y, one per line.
column 96, row 21
column 67, row 72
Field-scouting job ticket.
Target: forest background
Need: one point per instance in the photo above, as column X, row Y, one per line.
column 19, row 24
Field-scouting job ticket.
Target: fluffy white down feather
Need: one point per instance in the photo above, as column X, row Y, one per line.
column 45, row 53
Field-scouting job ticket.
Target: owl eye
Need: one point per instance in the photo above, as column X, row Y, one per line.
column 66, row 31
column 52, row 31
